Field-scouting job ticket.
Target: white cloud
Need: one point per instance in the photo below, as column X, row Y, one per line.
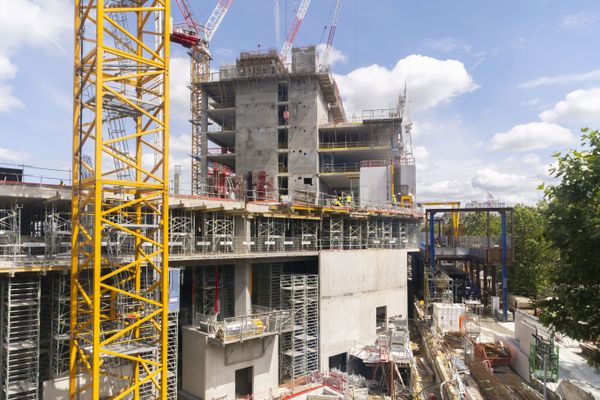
column 12, row 156
column 7, row 69
column 34, row 23
column 179, row 90
column 448, row 45
column 430, row 82
column 492, row 181
column 8, row 102
column 532, row 136
column 581, row 107
column 579, row 21
column 335, row 55
column 562, row 79
column 181, row 143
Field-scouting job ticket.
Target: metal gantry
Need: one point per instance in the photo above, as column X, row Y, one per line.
column 118, row 314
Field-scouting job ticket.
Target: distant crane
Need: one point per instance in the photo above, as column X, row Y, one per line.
column 324, row 64
column 291, row 37
column 191, row 35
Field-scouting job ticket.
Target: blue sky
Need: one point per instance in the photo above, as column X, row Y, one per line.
column 496, row 87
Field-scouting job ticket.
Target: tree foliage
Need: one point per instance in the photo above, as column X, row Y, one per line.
column 573, row 227
column 534, row 254
column 475, row 224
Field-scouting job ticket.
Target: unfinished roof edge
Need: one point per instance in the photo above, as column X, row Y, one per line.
column 267, row 63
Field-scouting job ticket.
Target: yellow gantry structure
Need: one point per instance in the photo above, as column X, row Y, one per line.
column 119, row 275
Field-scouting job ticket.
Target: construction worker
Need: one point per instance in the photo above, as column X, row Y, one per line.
column 394, row 201
column 338, row 201
column 348, row 200
column 286, row 116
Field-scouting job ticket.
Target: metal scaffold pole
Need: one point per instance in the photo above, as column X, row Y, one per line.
column 119, row 323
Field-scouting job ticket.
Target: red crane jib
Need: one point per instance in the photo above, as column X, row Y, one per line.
column 184, row 39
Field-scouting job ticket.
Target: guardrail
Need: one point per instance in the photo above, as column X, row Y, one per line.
column 340, row 168
column 245, row 327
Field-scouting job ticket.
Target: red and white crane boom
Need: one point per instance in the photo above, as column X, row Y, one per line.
column 291, row 37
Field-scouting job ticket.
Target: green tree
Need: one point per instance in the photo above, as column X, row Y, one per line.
column 573, row 227
column 534, row 254
column 475, row 224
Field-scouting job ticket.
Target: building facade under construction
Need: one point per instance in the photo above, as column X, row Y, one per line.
column 293, row 250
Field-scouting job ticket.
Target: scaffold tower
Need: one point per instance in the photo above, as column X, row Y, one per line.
column 299, row 346
column 19, row 337
column 119, row 316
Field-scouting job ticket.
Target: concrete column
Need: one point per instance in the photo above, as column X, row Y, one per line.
column 242, row 289
column 204, row 136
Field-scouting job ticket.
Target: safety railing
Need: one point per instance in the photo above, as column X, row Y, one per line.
column 352, row 145
column 217, row 151
column 340, row 168
column 383, row 113
column 245, row 327
column 235, row 245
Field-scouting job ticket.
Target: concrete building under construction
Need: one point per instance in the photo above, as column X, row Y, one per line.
column 294, row 249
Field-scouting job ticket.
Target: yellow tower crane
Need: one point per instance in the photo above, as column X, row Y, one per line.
column 119, row 272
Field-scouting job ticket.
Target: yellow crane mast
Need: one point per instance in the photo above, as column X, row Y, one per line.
column 119, row 272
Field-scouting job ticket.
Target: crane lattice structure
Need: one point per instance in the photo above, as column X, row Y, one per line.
column 291, row 36
column 324, row 64
column 190, row 34
column 118, row 318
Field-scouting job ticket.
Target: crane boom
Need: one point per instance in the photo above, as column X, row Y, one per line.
column 291, row 37
column 215, row 19
column 332, row 28
column 197, row 38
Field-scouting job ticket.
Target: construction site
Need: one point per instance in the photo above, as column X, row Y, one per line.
column 299, row 264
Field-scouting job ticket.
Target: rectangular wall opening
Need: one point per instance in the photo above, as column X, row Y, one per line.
column 380, row 319
column 282, row 162
column 338, row 361
column 282, row 138
column 282, row 184
column 282, row 91
column 243, row 382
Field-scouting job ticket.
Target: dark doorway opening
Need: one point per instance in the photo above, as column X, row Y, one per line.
column 243, row 383
column 338, row 361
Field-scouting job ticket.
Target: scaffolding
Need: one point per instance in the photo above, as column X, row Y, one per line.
column 299, row 346
column 354, row 233
column 308, row 233
column 57, row 231
column 333, row 233
column 60, row 317
column 19, row 337
column 271, row 233
column 219, row 231
column 215, row 293
column 181, row 233
column 10, row 232
column 172, row 358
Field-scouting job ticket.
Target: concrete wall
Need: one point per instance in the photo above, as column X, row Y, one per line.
column 375, row 186
column 209, row 368
column 353, row 283
column 303, row 139
column 256, row 127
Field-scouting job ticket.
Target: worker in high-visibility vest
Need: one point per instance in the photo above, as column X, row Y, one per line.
column 348, row 200
column 394, row 201
column 338, row 201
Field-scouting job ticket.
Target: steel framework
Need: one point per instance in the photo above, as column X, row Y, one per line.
column 59, row 340
column 299, row 347
column 19, row 337
column 119, row 319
